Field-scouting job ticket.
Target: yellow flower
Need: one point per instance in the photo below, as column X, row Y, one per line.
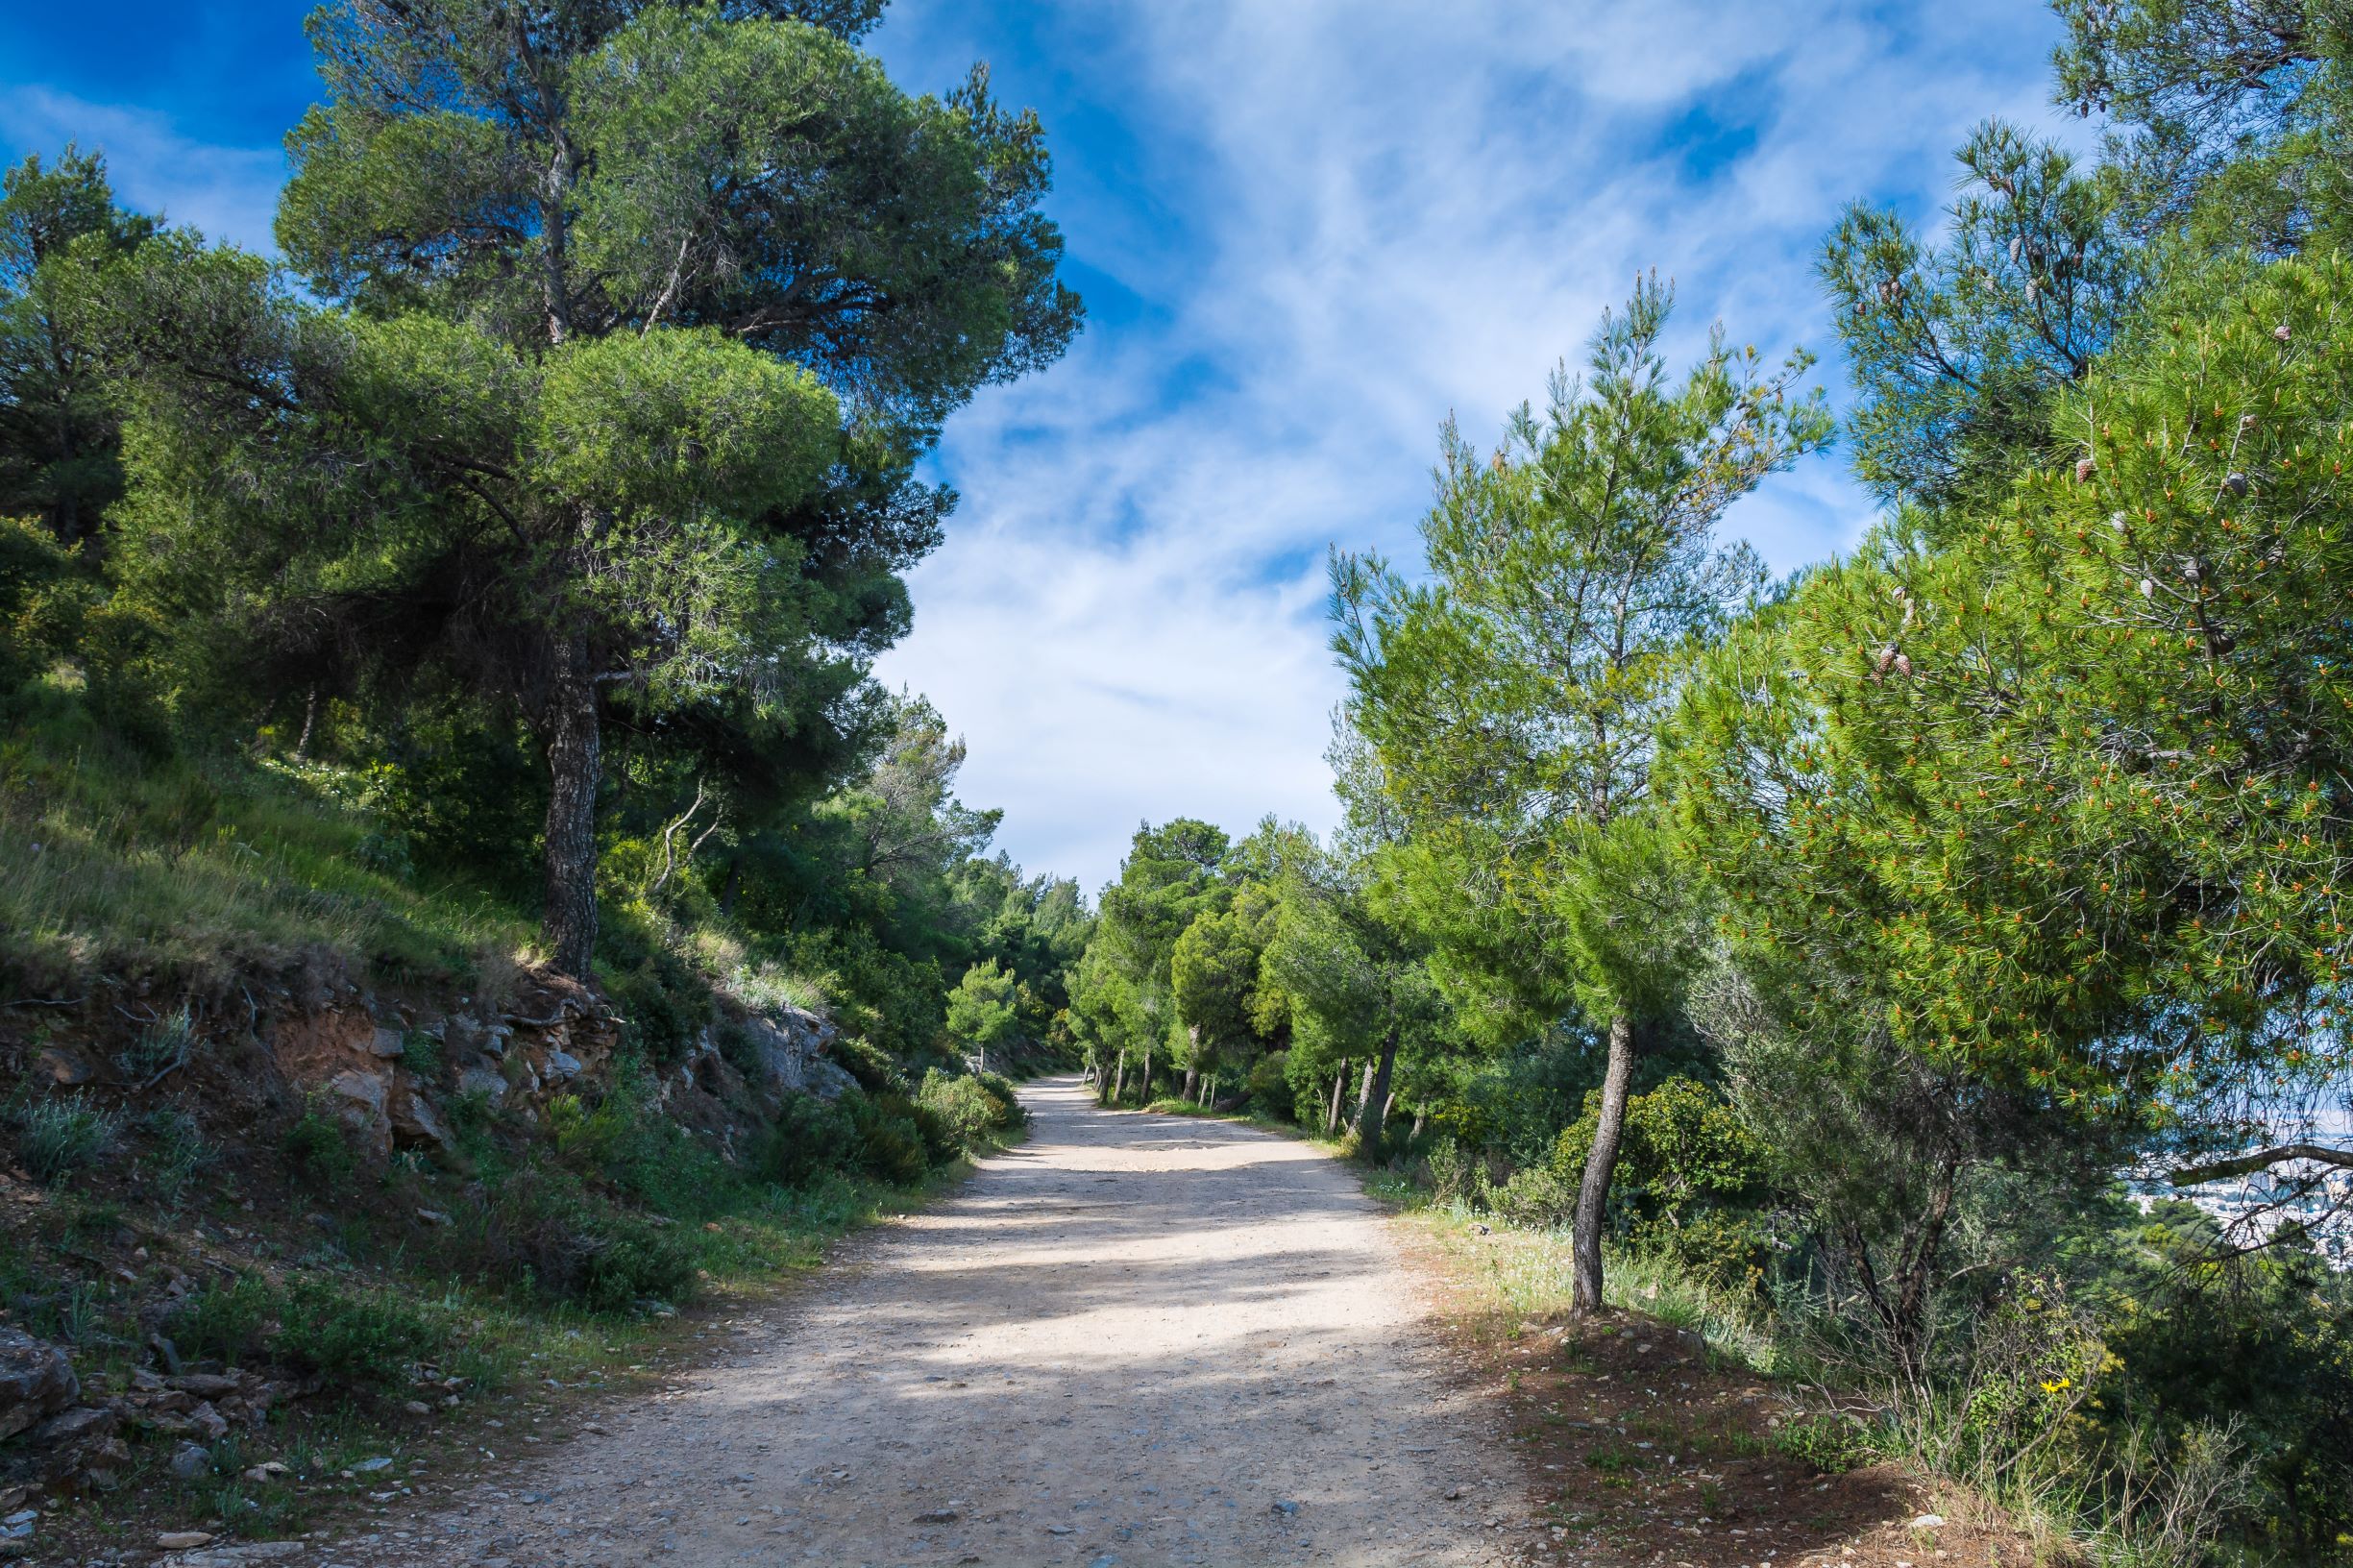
column 2055, row 1387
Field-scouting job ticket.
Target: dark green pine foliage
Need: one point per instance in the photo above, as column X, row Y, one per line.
column 637, row 318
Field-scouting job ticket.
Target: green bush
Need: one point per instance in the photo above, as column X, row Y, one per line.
column 1010, row 1110
column 356, row 1335
column 890, row 1146
column 177, row 1154
column 972, row 1114
column 876, row 1073
column 62, row 1134
column 320, row 1150
column 810, row 1138
column 225, row 1323
column 1269, row 1090
column 163, row 1043
column 546, row 1232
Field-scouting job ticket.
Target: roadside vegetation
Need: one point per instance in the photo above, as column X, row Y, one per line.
column 468, row 912
column 1923, row 975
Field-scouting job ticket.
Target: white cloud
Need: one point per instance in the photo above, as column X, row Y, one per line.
column 229, row 193
column 1348, row 220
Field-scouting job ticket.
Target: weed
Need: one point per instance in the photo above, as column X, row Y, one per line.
column 62, row 1134
column 157, row 1049
column 318, row 1149
column 421, row 1054
column 177, row 1154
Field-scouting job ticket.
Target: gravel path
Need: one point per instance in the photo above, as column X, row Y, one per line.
column 1134, row 1339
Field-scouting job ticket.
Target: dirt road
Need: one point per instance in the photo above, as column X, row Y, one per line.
column 1134, row 1339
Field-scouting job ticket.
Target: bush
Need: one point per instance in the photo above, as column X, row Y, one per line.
column 62, row 1134
column 225, row 1323
column 1269, row 1090
column 891, row 1146
column 178, row 1153
column 1008, row 1098
column 162, row 1044
column 355, row 1336
column 810, row 1138
column 973, row 1114
column 546, row 1232
column 318, row 1149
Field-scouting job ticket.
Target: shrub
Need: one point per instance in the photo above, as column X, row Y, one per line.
column 876, row 1073
column 971, row 1113
column 225, row 1323
column 178, row 1153
column 355, row 1335
column 809, row 1137
column 162, row 1044
column 546, row 1232
column 422, row 1055
column 1009, row 1111
column 319, row 1150
column 62, row 1134
column 1269, row 1090
column 891, row 1146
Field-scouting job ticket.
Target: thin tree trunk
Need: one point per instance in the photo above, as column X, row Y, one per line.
column 575, row 764
column 1118, row 1088
column 1421, row 1120
column 310, row 716
column 1147, row 1089
column 1364, row 1090
column 1331, row 1117
column 1593, row 1192
column 1373, row 1110
column 1192, row 1084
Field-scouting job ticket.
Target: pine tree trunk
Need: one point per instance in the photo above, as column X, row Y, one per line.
column 1593, row 1192
column 1147, row 1089
column 1373, row 1110
column 1331, row 1117
column 1421, row 1121
column 310, row 718
column 1118, row 1088
column 1192, row 1085
column 575, row 764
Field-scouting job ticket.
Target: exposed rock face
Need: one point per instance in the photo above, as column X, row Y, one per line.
column 387, row 1043
column 36, row 1381
column 791, row 1044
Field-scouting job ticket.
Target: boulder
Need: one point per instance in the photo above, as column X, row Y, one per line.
column 414, row 1120
column 362, row 1095
column 77, row 1445
column 561, row 1066
column 190, row 1462
column 387, row 1044
column 36, row 1381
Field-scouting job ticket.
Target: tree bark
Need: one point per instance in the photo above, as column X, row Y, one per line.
column 1192, row 1084
column 1373, row 1110
column 1145, row 1091
column 1118, row 1088
column 575, row 764
column 1331, row 1117
column 1593, row 1192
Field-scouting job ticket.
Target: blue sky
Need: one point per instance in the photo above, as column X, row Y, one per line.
column 1306, row 230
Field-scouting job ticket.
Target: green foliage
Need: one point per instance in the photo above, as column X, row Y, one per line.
column 1268, row 1086
column 60, row 1136
column 177, row 1153
column 980, row 1010
column 892, row 1145
column 976, row 1110
column 810, row 1139
column 159, row 1046
column 319, row 1150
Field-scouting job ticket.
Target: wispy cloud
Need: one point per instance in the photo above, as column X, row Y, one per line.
column 1323, row 226
column 227, row 192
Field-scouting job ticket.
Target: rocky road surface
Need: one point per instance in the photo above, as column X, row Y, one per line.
column 1133, row 1340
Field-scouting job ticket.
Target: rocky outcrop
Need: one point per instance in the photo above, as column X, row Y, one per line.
column 36, row 1382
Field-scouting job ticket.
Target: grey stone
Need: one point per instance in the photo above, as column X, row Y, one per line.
column 36, row 1381
column 388, row 1043
column 191, row 1461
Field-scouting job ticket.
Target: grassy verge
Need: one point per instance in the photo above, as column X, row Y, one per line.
column 414, row 1378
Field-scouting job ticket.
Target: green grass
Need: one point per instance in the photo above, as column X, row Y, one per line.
column 143, row 867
